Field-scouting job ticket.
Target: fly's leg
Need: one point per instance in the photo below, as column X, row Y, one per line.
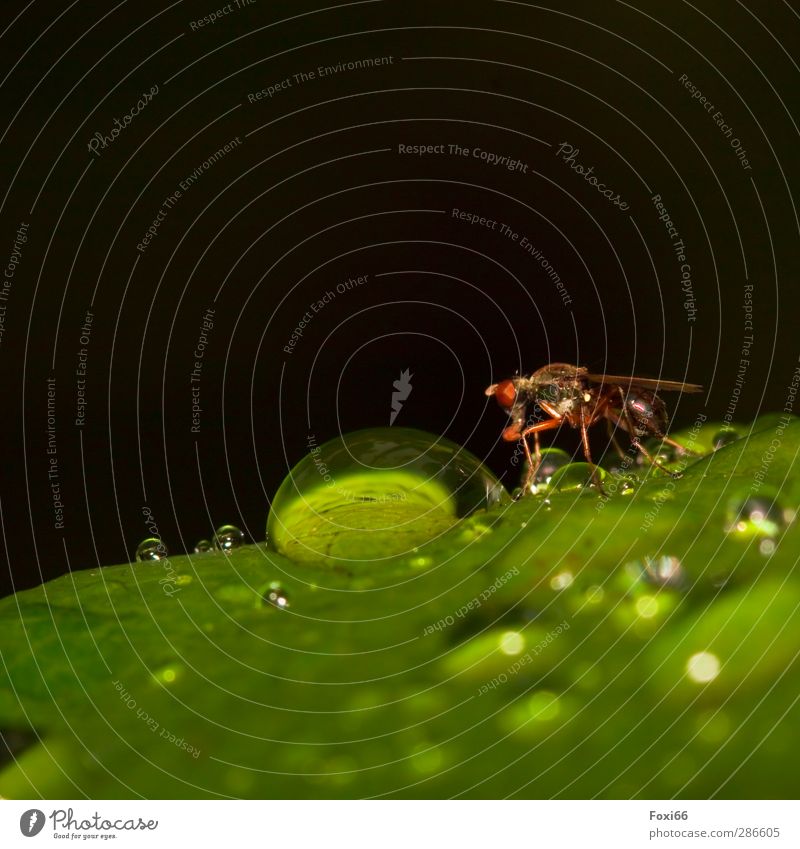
column 536, row 429
column 587, row 452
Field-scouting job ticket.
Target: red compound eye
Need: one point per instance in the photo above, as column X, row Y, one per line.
column 506, row 393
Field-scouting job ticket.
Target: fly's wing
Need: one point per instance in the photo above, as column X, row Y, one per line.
column 644, row 382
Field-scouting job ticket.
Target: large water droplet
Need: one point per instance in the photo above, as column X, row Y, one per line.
column 756, row 517
column 375, row 493
column 228, row 537
column 151, row 548
column 575, row 477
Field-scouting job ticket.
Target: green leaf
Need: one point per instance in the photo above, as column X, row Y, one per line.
column 529, row 650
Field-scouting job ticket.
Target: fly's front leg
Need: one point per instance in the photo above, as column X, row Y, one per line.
column 536, row 429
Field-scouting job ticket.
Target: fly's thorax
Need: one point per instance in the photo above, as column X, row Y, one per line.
column 563, row 395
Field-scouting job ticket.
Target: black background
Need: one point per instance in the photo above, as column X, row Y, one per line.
column 318, row 192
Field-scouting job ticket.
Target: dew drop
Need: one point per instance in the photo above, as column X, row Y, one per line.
column 756, row 517
column 703, row 667
column 151, row 548
column 627, row 484
column 561, row 581
column 543, row 706
column 553, row 459
column 594, row 594
column 647, row 606
column 203, row 546
column 724, row 437
column 575, row 477
column 662, row 570
column 376, row 493
column 420, row 562
column 228, row 537
column 167, row 674
column 664, row 453
column 512, row 643
column 276, row 596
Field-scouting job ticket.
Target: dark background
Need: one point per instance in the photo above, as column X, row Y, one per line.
column 318, row 193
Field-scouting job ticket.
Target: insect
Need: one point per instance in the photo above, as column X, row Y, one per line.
column 568, row 393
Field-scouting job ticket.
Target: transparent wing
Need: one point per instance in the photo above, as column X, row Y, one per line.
column 644, row 382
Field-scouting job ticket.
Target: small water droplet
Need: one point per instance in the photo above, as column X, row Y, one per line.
column 623, row 484
column 713, row 726
column 703, row 667
column 151, row 548
column 724, row 437
column 543, row 706
column 575, row 477
column 512, row 642
column 276, row 596
column 662, row 570
column 167, row 674
column 767, row 547
column 594, row 594
column 756, row 517
column 203, row 546
column 228, row 537
column 561, row 581
column 647, row 606
column 664, row 453
column 553, row 459
column 420, row 562
column 183, row 580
